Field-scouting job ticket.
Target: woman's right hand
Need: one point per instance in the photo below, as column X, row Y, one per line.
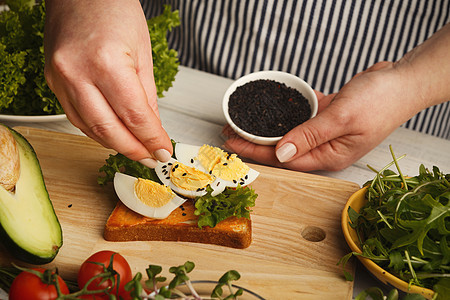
column 99, row 65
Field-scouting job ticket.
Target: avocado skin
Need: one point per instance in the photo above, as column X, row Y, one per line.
column 21, row 254
column 13, row 248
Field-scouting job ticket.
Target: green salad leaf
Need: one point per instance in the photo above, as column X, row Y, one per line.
column 231, row 202
column 23, row 88
column 21, row 46
column 121, row 163
column 404, row 227
column 165, row 60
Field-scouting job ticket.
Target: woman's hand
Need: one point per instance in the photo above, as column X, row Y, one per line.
column 349, row 124
column 99, row 65
column 363, row 113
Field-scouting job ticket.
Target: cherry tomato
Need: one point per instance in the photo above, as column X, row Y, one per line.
column 29, row 286
column 89, row 269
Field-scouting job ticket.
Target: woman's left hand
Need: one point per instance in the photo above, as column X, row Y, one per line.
column 349, row 124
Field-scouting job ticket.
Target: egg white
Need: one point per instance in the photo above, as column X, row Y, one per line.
column 163, row 172
column 124, row 187
column 187, row 154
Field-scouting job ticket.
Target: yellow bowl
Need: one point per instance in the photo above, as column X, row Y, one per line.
column 356, row 202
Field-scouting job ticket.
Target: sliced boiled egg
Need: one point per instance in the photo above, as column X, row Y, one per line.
column 182, row 179
column 228, row 169
column 146, row 197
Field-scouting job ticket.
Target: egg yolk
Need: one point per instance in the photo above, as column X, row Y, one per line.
column 221, row 164
column 210, row 156
column 189, row 178
column 152, row 193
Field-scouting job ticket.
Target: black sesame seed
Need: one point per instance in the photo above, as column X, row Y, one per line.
column 184, row 174
column 234, row 181
column 183, row 214
column 164, row 166
column 246, row 177
column 176, row 166
column 210, row 172
column 69, row 206
column 268, row 108
column 225, row 164
column 228, row 156
column 182, row 207
column 169, row 164
column 192, row 160
column 218, row 183
column 173, row 169
column 168, row 177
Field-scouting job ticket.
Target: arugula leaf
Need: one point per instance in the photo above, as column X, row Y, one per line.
column 405, row 225
column 396, row 261
column 443, row 288
column 231, row 202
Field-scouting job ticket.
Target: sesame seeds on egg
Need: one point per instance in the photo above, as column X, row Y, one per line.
column 189, row 176
column 182, row 179
column 228, row 169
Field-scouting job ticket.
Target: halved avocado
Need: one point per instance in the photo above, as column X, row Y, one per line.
column 29, row 227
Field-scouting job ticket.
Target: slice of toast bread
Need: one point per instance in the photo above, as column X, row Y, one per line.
column 181, row 225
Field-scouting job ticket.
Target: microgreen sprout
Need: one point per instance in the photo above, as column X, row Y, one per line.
column 137, row 288
column 181, row 279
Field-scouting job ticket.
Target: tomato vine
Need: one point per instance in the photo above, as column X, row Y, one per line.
column 110, row 281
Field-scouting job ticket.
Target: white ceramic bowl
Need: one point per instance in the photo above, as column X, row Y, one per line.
column 289, row 80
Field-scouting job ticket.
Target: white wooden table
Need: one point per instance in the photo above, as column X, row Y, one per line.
column 191, row 112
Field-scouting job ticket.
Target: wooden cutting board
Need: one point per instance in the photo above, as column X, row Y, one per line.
column 297, row 237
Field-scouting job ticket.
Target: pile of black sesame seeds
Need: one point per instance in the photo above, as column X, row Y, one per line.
column 268, row 108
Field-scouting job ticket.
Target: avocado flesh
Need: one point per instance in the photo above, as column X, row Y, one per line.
column 30, row 229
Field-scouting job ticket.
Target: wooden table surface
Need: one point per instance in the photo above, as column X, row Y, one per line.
column 195, row 99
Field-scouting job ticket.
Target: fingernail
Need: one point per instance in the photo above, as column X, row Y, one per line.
column 149, row 162
column 286, row 152
column 162, row 155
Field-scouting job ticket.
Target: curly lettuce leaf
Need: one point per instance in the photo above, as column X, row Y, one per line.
column 165, row 60
column 121, row 163
column 11, row 75
column 22, row 33
column 231, row 202
column 24, row 90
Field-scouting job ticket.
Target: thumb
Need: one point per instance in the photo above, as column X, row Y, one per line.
column 309, row 146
